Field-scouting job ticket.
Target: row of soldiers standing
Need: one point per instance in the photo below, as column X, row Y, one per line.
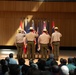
column 44, row 40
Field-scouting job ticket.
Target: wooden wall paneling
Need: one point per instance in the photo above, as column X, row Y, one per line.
column 34, row 6
column 9, row 6
column 52, row 6
column 1, row 30
column 19, row 6
column 26, row 6
column 40, row 6
column 73, row 23
column 66, row 21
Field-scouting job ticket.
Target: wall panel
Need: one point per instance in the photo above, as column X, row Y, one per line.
column 62, row 13
column 9, row 23
column 37, row 6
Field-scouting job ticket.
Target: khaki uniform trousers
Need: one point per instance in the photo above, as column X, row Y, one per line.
column 19, row 50
column 43, row 48
column 31, row 49
column 55, row 50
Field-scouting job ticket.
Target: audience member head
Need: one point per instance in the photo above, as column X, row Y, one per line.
column 51, row 56
column 70, row 60
column 25, row 69
column 64, row 70
column 41, row 64
column 7, row 60
column 4, row 66
column 54, row 62
column 55, row 69
column 63, row 61
column 14, row 69
column 11, row 55
column 21, row 61
column 34, row 66
column 74, row 61
column 3, row 62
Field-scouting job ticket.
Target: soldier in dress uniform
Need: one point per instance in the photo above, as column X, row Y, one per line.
column 19, row 43
column 30, row 38
column 44, row 40
column 55, row 42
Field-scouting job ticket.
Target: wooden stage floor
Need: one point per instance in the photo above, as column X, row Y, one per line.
column 63, row 54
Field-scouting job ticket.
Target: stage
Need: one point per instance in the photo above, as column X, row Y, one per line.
column 63, row 54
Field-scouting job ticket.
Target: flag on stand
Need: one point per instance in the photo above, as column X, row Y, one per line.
column 48, row 26
column 38, row 29
column 39, row 32
column 33, row 24
column 44, row 25
column 20, row 27
column 53, row 26
column 39, row 26
column 26, row 25
column 24, row 49
column 38, row 23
